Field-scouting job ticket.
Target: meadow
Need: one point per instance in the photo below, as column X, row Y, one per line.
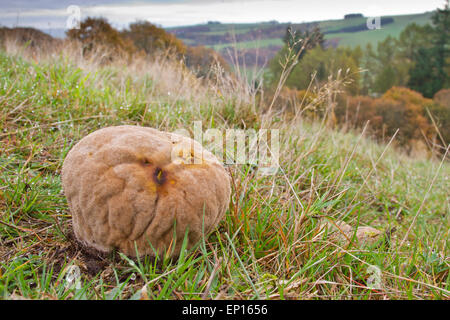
column 270, row 244
column 270, row 33
column 362, row 38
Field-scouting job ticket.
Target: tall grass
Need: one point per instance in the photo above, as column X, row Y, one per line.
column 269, row 245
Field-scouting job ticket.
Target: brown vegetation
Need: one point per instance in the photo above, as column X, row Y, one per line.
column 199, row 59
column 150, row 38
column 144, row 38
column 30, row 38
column 420, row 121
column 95, row 32
column 399, row 108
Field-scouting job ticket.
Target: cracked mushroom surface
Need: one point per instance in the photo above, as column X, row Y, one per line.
column 130, row 186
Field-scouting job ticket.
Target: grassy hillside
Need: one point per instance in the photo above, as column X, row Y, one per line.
column 272, row 33
column 362, row 38
column 270, row 244
column 248, row 37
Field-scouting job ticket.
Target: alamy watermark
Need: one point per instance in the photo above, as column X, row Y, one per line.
column 74, row 19
column 73, row 278
column 374, row 280
column 259, row 148
column 373, row 23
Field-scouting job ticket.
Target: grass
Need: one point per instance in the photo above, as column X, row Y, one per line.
column 261, row 43
column 268, row 246
column 362, row 38
column 218, row 29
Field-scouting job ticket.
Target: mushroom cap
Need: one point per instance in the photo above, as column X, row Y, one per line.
column 131, row 187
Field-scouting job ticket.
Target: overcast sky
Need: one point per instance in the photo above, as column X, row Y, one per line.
column 53, row 14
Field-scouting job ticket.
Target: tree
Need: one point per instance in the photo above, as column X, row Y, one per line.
column 368, row 61
column 151, row 39
column 411, row 39
column 423, row 74
column 296, row 43
column 390, row 69
column 325, row 63
column 431, row 64
column 98, row 33
column 441, row 41
column 200, row 59
column 307, row 40
column 386, row 79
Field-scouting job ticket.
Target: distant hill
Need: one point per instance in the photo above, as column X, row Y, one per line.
column 258, row 42
column 29, row 36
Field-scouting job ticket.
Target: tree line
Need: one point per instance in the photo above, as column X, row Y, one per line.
column 398, row 83
column 142, row 38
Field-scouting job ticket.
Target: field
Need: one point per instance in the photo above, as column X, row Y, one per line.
column 270, row 244
column 362, row 38
column 248, row 37
column 272, row 33
column 250, row 44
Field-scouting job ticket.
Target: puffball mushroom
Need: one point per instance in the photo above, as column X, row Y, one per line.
column 131, row 187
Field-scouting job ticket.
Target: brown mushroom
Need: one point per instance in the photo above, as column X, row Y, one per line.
column 132, row 187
